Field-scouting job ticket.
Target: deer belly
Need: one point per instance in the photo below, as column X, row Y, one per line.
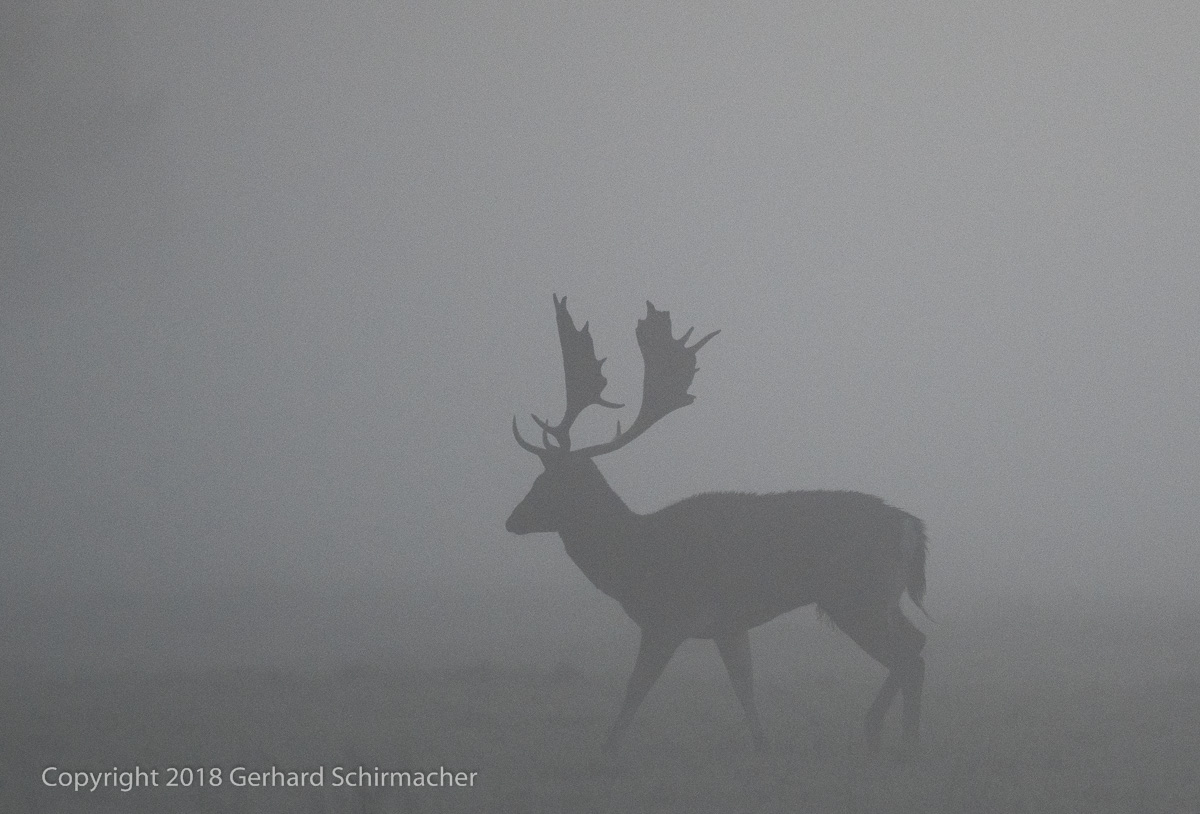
column 705, row 616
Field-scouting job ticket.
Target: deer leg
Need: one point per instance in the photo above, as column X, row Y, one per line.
column 873, row 725
column 654, row 652
column 895, row 643
column 735, row 652
column 911, row 641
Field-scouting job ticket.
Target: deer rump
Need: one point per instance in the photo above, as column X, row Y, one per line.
column 724, row 562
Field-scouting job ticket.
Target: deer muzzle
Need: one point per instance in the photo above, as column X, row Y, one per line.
column 528, row 518
column 517, row 523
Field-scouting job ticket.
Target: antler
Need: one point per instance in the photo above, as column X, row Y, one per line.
column 670, row 368
column 584, row 382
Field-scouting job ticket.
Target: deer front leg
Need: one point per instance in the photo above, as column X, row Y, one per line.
column 654, row 652
column 735, row 652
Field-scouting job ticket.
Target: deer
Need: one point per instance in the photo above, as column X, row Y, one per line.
column 715, row 565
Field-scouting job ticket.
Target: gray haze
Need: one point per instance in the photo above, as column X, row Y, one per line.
column 276, row 278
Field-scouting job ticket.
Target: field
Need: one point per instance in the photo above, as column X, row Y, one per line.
column 1026, row 710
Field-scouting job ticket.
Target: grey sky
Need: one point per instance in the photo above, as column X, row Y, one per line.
column 277, row 277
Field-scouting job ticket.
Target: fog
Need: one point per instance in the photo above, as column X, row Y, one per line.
column 276, row 280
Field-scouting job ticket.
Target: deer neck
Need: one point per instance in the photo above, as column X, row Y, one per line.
column 600, row 536
column 600, row 515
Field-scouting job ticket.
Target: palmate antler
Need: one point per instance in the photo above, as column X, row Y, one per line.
column 584, row 383
column 581, row 369
column 670, row 366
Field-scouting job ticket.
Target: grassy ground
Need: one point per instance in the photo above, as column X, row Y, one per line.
column 1038, row 739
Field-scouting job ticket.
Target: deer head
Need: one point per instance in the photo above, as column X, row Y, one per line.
column 571, row 485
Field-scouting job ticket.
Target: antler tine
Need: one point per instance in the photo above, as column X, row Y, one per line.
column 670, row 368
column 546, row 434
column 538, row 451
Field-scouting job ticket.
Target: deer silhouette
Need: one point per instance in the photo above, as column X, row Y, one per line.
column 715, row 565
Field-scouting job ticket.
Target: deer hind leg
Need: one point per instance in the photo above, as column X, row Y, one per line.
column 735, row 652
column 911, row 642
column 873, row 725
column 896, row 643
column 654, row 652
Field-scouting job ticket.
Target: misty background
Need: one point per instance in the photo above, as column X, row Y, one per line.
column 277, row 277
